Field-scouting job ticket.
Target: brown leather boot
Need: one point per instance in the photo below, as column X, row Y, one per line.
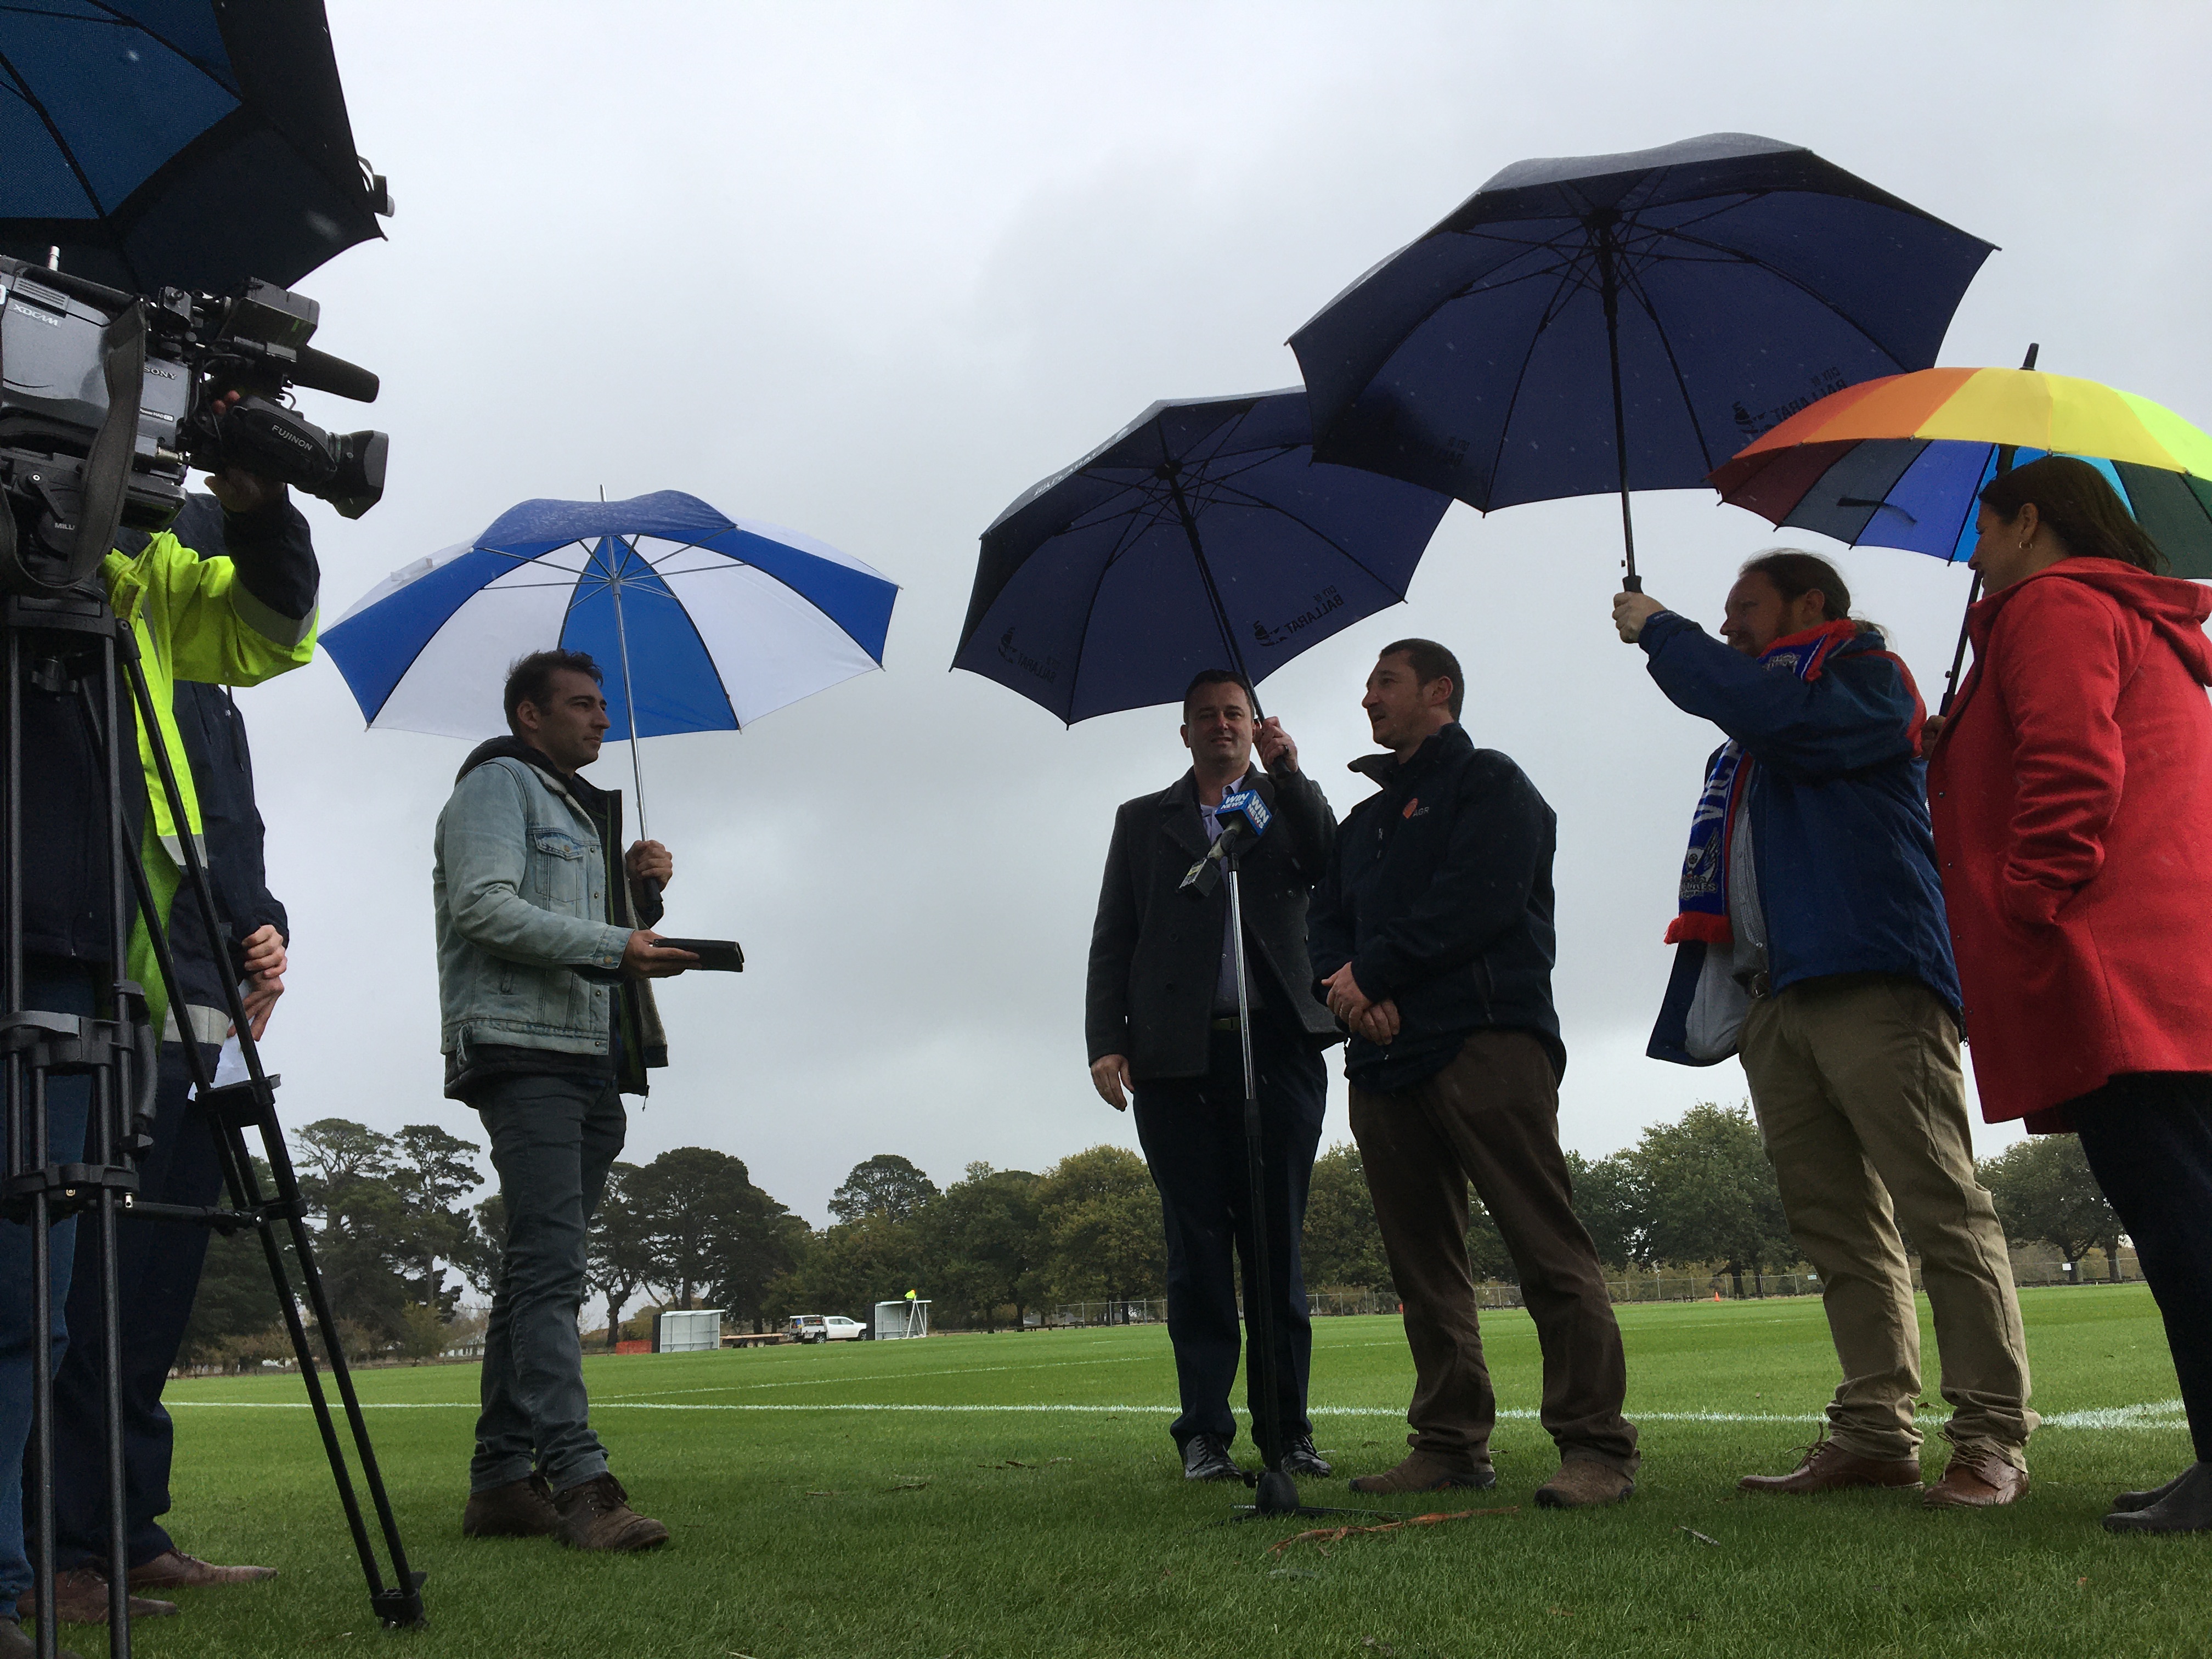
column 1584, row 1483
column 1977, row 1478
column 596, row 1514
column 520, row 1509
column 174, row 1570
column 1425, row 1471
column 81, row 1598
column 14, row 1644
column 1828, row 1467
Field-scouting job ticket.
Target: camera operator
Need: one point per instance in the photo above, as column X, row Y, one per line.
column 236, row 619
column 547, row 1023
column 158, row 1270
column 1162, row 1023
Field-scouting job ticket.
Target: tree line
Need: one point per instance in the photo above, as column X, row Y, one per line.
column 401, row 1243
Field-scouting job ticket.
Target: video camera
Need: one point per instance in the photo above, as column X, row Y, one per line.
column 106, row 398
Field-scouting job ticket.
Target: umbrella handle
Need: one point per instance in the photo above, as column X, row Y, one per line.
column 1632, row 583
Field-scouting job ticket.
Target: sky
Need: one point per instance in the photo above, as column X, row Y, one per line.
column 870, row 270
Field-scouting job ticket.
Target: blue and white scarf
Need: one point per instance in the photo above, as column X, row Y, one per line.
column 1704, row 899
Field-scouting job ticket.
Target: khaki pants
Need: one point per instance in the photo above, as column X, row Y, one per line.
column 1492, row 1118
column 1860, row 1098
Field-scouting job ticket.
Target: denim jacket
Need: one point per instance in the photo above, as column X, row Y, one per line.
column 527, row 957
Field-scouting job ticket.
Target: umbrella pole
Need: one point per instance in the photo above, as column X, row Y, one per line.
column 1609, row 284
column 2005, row 453
column 1213, row 594
column 629, row 707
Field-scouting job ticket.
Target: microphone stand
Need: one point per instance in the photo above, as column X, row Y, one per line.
column 1274, row 1493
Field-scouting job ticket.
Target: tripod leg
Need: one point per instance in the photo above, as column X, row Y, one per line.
column 402, row 1603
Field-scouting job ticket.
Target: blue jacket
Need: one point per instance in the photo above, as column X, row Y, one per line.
column 1439, row 893
column 1841, row 845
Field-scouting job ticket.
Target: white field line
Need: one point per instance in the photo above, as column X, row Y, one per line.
column 2159, row 1414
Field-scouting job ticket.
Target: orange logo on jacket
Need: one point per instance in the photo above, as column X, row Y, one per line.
column 1411, row 807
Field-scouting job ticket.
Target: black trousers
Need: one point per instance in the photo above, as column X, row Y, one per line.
column 2148, row 1138
column 1193, row 1133
column 158, row 1273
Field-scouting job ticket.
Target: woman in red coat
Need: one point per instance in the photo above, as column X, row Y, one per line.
column 2072, row 797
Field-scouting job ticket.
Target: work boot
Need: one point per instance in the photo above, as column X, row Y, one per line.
column 1426, row 1471
column 1977, row 1478
column 520, row 1509
column 1827, row 1467
column 174, row 1570
column 2128, row 1502
column 15, row 1644
column 596, row 1514
column 2186, row 1507
column 1206, row 1457
column 1304, row 1460
column 1584, row 1483
column 81, row 1598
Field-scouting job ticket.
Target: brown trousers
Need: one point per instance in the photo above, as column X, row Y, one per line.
column 1862, row 1103
column 1492, row 1118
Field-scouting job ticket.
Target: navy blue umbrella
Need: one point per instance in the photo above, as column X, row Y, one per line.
column 186, row 143
column 1626, row 322
column 1202, row 535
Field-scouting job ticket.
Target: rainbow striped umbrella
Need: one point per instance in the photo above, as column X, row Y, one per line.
column 1898, row 462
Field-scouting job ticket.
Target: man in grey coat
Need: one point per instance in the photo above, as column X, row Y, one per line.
column 548, row 1022
column 1162, row 1020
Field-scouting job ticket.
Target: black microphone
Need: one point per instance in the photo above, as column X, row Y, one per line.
column 1244, row 817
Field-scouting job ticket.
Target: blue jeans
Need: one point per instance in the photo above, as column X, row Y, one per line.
column 553, row 1139
column 1193, row 1133
column 157, row 1273
column 59, row 987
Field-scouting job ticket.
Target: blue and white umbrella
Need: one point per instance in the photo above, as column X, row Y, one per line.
column 702, row 623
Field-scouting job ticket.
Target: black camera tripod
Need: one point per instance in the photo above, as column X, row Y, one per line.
column 73, row 643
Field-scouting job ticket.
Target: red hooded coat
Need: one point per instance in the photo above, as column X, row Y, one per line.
column 2072, row 799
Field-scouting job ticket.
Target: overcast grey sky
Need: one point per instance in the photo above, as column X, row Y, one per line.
column 870, row 271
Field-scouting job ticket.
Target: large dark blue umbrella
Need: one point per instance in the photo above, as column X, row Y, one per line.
column 1202, row 535
column 186, row 143
column 1602, row 323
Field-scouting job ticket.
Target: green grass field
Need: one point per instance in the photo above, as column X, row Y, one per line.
column 1018, row 1495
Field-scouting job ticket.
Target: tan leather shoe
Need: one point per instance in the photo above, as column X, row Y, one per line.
column 520, row 1509
column 1977, row 1480
column 596, row 1514
column 1828, row 1467
column 174, row 1570
column 81, row 1598
column 1584, row 1483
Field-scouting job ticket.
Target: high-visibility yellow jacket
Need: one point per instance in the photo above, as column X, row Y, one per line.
column 193, row 620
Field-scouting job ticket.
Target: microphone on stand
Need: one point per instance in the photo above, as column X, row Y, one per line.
column 1244, row 817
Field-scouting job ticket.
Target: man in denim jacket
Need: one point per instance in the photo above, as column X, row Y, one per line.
column 547, row 1021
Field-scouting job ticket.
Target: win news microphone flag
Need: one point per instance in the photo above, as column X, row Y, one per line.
column 1244, row 817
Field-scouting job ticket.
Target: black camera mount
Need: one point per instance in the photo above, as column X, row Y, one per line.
column 73, row 644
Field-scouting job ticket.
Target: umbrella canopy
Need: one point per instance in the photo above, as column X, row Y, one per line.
column 1898, row 462
column 190, row 143
column 1202, row 535
column 1625, row 322
column 702, row 623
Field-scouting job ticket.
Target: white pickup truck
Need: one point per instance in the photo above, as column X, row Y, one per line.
column 826, row 1328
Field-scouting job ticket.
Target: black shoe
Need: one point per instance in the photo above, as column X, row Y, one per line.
column 2186, row 1507
column 1303, row 1460
column 1206, row 1457
column 2128, row 1501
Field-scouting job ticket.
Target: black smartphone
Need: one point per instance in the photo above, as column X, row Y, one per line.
column 718, row 956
